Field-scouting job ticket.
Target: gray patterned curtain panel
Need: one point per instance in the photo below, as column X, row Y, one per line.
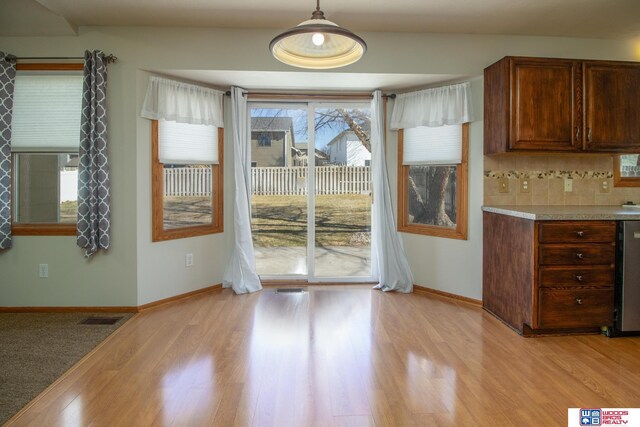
column 94, row 214
column 7, row 83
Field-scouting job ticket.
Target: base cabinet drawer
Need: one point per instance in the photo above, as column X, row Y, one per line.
column 589, row 254
column 575, row 308
column 577, row 231
column 587, row 275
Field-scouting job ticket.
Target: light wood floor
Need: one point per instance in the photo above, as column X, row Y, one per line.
column 336, row 356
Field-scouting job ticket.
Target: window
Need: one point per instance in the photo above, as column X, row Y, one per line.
column 432, row 180
column 264, row 140
column 45, row 141
column 186, row 180
column 626, row 170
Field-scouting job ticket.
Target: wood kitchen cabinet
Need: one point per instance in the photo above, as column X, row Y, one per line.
column 544, row 277
column 561, row 105
column 612, row 106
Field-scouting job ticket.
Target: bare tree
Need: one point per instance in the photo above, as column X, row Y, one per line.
column 434, row 208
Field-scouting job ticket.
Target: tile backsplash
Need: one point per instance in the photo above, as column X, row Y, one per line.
column 546, row 176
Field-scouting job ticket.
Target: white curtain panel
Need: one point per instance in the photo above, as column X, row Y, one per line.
column 447, row 105
column 389, row 263
column 182, row 102
column 241, row 273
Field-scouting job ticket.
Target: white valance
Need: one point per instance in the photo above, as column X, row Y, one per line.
column 182, row 102
column 447, row 105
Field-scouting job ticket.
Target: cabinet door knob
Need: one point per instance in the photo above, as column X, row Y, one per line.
column 579, row 301
column 579, row 278
column 580, row 233
column 579, row 256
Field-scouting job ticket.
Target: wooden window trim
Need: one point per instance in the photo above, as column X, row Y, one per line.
column 618, row 180
column 64, row 66
column 462, row 196
column 159, row 234
column 42, row 229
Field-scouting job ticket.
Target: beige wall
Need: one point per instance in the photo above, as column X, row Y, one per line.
column 137, row 271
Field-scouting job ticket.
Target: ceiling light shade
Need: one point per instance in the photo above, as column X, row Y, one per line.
column 318, row 43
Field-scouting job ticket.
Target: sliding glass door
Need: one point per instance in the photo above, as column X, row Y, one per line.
column 341, row 202
column 279, row 202
column 311, row 198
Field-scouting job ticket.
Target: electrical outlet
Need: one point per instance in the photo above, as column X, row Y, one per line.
column 43, row 270
column 188, row 260
column 503, row 185
column 604, row 186
column 568, row 185
column 525, row 185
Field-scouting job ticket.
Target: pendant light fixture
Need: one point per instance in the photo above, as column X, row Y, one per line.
column 318, row 43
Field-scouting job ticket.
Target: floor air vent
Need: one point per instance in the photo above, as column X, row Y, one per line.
column 100, row 320
column 290, row 291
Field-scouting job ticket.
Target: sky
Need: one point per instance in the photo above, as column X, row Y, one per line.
column 300, row 124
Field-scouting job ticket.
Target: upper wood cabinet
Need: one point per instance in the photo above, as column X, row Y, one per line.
column 612, row 106
column 561, row 105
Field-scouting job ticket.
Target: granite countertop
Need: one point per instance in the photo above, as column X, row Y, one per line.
column 567, row 212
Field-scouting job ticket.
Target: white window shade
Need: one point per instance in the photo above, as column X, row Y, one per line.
column 183, row 143
column 46, row 112
column 440, row 145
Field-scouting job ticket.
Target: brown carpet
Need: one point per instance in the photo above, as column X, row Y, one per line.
column 37, row 348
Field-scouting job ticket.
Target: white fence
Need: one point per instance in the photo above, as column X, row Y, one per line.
column 187, row 182
column 293, row 180
column 69, row 185
column 630, row 171
column 283, row 181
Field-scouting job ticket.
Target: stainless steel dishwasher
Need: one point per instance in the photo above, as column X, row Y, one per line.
column 627, row 295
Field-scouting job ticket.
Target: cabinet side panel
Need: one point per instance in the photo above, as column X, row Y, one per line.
column 508, row 268
column 496, row 107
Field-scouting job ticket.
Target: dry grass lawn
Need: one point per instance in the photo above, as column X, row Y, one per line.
column 341, row 220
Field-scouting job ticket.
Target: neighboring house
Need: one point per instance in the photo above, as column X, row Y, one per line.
column 347, row 149
column 301, row 155
column 272, row 141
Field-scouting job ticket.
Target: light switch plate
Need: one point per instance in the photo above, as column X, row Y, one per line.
column 503, row 185
column 568, row 185
column 43, row 271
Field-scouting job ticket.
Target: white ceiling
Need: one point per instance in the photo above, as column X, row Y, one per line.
column 574, row 18
column 302, row 81
column 571, row 18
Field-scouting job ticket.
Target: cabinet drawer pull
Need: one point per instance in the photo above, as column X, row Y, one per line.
column 579, row 301
column 579, row 256
column 579, row 278
column 577, row 133
column 580, row 233
column 588, row 134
